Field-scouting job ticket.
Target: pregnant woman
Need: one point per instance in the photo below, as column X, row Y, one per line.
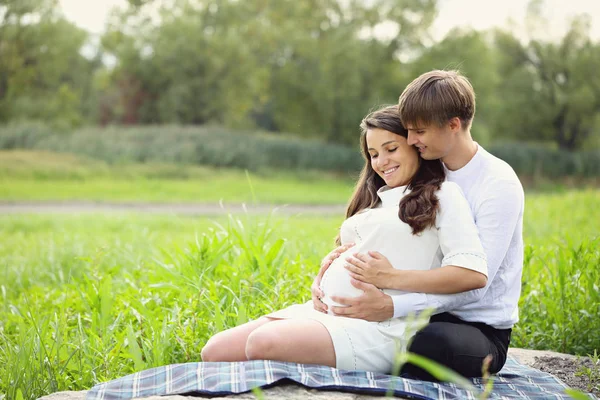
column 403, row 210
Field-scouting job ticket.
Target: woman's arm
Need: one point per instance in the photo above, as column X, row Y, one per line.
column 375, row 269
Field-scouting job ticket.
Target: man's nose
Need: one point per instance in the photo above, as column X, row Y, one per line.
column 411, row 140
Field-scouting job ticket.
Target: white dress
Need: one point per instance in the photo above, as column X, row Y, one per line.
column 371, row 346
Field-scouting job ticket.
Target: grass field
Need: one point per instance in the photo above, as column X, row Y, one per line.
column 46, row 176
column 38, row 176
column 87, row 298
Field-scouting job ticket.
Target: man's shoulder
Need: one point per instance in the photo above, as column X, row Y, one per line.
column 496, row 171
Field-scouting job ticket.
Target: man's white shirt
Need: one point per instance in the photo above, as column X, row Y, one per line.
column 496, row 198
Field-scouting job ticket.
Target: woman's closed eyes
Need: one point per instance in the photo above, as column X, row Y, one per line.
column 389, row 151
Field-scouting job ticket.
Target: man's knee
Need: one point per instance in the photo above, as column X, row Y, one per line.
column 459, row 347
column 432, row 342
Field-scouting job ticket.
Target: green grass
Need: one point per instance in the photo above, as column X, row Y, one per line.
column 38, row 176
column 45, row 176
column 560, row 301
column 87, row 298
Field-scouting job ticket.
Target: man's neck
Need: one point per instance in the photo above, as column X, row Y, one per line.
column 462, row 152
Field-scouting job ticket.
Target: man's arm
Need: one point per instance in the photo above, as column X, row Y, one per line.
column 496, row 220
column 446, row 280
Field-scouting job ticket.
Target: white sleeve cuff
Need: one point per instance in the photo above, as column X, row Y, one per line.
column 469, row 260
column 405, row 304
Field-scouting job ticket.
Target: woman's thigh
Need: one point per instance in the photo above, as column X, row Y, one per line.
column 230, row 345
column 304, row 341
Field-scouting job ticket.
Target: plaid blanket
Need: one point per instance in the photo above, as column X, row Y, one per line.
column 223, row 378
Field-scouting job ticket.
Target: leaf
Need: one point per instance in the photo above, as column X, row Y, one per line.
column 242, row 317
column 440, row 372
column 275, row 250
column 219, row 326
column 106, row 303
column 134, row 349
column 577, row 395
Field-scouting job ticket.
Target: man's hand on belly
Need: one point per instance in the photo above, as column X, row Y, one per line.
column 372, row 305
column 372, row 268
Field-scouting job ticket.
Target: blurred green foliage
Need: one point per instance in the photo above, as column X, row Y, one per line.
column 312, row 68
column 258, row 151
column 214, row 146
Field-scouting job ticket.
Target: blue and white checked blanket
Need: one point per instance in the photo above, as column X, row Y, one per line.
column 515, row 381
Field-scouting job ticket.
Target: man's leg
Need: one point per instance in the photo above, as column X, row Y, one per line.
column 459, row 346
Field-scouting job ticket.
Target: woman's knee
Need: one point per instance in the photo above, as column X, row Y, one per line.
column 213, row 349
column 261, row 345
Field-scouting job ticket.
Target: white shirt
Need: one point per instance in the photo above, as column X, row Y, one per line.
column 453, row 241
column 496, row 199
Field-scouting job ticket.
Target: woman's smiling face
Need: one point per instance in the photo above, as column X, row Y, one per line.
column 391, row 157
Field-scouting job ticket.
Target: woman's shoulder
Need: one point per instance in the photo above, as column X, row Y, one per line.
column 449, row 195
column 453, row 203
column 449, row 190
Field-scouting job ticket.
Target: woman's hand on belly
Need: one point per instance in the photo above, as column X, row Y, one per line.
column 316, row 292
column 372, row 305
column 336, row 282
column 373, row 268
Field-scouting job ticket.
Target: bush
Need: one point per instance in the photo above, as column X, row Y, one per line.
column 219, row 147
column 537, row 160
column 23, row 135
column 211, row 146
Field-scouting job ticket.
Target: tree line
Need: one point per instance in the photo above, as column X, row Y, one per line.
column 312, row 68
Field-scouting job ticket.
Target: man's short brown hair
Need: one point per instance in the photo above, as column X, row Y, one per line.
column 437, row 97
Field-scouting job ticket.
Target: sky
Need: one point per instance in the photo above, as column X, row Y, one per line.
column 478, row 14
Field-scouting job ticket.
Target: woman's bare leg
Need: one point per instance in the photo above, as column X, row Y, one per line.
column 302, row 341
column 230, row 345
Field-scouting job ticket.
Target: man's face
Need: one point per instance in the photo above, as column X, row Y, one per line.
column 432, row 141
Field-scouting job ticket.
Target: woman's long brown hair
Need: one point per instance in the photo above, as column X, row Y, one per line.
column 419, row 207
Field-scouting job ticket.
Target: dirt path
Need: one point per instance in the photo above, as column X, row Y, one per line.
column 73, row 207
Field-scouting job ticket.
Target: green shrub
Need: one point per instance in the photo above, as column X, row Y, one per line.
column 24, row 135
column 219, row 147
column 211, row 146
column 537, row 160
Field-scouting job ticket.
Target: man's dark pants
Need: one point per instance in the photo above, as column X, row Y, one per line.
column 459, row 345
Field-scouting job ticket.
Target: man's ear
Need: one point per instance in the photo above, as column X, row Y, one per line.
column 455, row 124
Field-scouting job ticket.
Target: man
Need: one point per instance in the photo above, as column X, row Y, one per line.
column 438, row 108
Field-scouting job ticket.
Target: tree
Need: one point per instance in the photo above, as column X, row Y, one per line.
column 326, row 66
column 311, row 67
column 551, row 90
column 42, row 73
column 473, row 54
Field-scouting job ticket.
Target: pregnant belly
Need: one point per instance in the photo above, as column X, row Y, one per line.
column 336, row 282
